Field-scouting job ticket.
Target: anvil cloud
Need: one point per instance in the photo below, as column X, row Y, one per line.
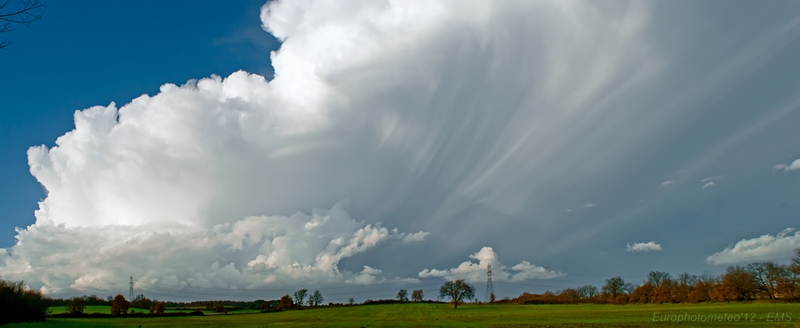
column 393, row 127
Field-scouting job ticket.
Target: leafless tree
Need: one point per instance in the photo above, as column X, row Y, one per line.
column 417, row 295
column 768, row 276
column 588, row 292
column 656, row 278
column 316, row 298
column 25, row 13
column 300, row 296
column 615, row 286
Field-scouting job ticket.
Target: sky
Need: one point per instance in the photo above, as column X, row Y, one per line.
column 243, row 150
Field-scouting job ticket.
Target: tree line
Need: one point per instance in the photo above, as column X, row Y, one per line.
column 758, row 280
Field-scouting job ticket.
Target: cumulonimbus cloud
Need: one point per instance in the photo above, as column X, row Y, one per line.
column 649, row 246
column 763, row 248
column 418, row 112
column 476, row 271
column 361, row 107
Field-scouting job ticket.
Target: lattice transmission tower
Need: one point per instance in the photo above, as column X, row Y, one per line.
column 131, row 294
column 489, row 287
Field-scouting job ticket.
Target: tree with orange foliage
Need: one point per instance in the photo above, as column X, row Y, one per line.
column 736, row 284
column 569, row 296
column 663, row 293
column 159, row 307
column 700, row 291
column 285, row 303
column 119, row 305
column 641, row 294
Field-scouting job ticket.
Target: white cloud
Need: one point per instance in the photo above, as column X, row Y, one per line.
column 371, row 276
column 764, row 248
column 476, row 271
column 667, row 183
column 587, row 205
column 414, row 237
column 714, row 178
column 368, row 276
column 709, row 182
column 650, row 246
column 382, row 103
column 791, row 167
column 253, row 252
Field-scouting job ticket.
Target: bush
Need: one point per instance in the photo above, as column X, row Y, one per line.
column 19, row 304
column 159, row 307
column 76, row 305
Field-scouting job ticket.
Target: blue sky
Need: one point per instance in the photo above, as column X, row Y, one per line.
column 397, row 143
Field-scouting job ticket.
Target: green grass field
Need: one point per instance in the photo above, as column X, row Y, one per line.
column 433, row 315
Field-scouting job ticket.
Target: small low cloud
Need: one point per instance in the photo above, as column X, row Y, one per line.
column 371, row 276
column 764, row 248
column 791, row 167
column 472, row 271
column 667, row 183
column 650, row 246
column 709, row 184
column 413, row 237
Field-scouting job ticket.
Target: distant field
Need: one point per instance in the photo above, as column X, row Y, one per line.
column 414, row 315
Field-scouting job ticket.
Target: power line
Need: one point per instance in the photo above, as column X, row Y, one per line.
column 489, row 286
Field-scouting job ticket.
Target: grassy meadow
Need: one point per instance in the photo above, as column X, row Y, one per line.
column 470, row 315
